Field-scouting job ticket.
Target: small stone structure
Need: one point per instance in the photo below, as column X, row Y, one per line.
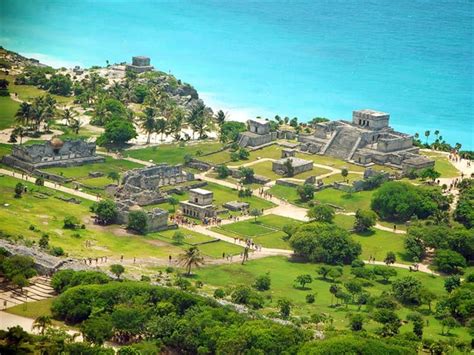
column 141, row 187
column 285, row 153
column 236, row 205
column 53, row 153
column 299, row 165
column 367, row 139
column 199, row 204
column 140, row 64
column 417, row 163
column 259, row 134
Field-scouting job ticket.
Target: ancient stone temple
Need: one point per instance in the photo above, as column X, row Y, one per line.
column 140, row 64
column 299, row 165
column 52, row 154
column 141, row 187
column 367, row 139
column 258, row 133
column 199, row 204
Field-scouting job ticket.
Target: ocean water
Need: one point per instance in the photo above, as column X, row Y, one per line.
column 302, row 58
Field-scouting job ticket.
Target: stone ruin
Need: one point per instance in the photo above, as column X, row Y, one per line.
column 141, row 187
column 53, row 153
column 259, row 133
column 367, row 140
column 140, row 64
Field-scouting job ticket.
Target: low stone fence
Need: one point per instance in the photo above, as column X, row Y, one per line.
column 199, row 165
column 288, row 183
column 51, row 176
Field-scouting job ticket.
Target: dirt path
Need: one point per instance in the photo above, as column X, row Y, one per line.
column 421, row 267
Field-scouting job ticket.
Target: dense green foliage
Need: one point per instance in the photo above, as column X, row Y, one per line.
column 117, row 133
column 356, row 345
column 64, row 279
column 178, row 320
column 400, row 201
column 322, row 242
column 105, row 211
column 464, row 212
column 137, row 221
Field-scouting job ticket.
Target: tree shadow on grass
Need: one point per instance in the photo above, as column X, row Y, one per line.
column 367, row 233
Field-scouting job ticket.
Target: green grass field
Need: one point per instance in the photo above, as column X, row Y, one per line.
column 283, row 272
column 40, row 208
column 8, row 110
column 349, row 202
column 265, row 169
column 173, row 153
column 443, row 165
column 29, row 92
column 266, row 231
column 377, row 243
column 81, row 173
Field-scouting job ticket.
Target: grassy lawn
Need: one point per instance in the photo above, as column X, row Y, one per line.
column 377, row 243
column 29, row 92
column 265, row 169
column 272, row 152
column 344, row 221
column 5, row 149
column 283, row 272
column 267, row 230
column 349, row 202
column 173, row 153
column 190, row 237
column 33, row 309
column 216, row 249
column 40, row 208
column 8, row 110
column 443, row 165
column 82, row 171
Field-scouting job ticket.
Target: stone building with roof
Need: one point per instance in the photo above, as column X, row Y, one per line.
column 199, row 204
column 367, row 139
column 299, row 165
column 53, row 153
column 140, row 64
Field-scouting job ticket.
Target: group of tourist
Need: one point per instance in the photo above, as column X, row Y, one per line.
column 100, row 259
column 249, row 243
column 265, row 194
column 181, row 220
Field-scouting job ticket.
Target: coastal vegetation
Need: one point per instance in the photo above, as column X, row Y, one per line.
column 311, row 265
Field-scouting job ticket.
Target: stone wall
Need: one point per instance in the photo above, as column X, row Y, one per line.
column 45, row 155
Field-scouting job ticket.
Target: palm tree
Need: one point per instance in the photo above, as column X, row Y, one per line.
column 427, row 134
column 23, row 115
column 148, row 123
column 42, row 323
column 161, row 127
column 220, row 118
column 176, row 124
column 191, row 257
column 198, row 119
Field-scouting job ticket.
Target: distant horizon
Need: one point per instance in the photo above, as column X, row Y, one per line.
column 254, row 59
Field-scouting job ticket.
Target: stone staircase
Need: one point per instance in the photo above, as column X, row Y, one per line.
column 326, row 146
column 243, row 141
column 343, row 144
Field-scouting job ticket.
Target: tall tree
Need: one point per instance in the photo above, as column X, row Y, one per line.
column 191, row 257
column 148, row 123
column 161, row 127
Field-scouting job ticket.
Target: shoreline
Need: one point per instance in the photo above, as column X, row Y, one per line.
column 241, row 113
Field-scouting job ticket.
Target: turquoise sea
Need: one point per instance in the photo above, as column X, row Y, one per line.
column 301, row 58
